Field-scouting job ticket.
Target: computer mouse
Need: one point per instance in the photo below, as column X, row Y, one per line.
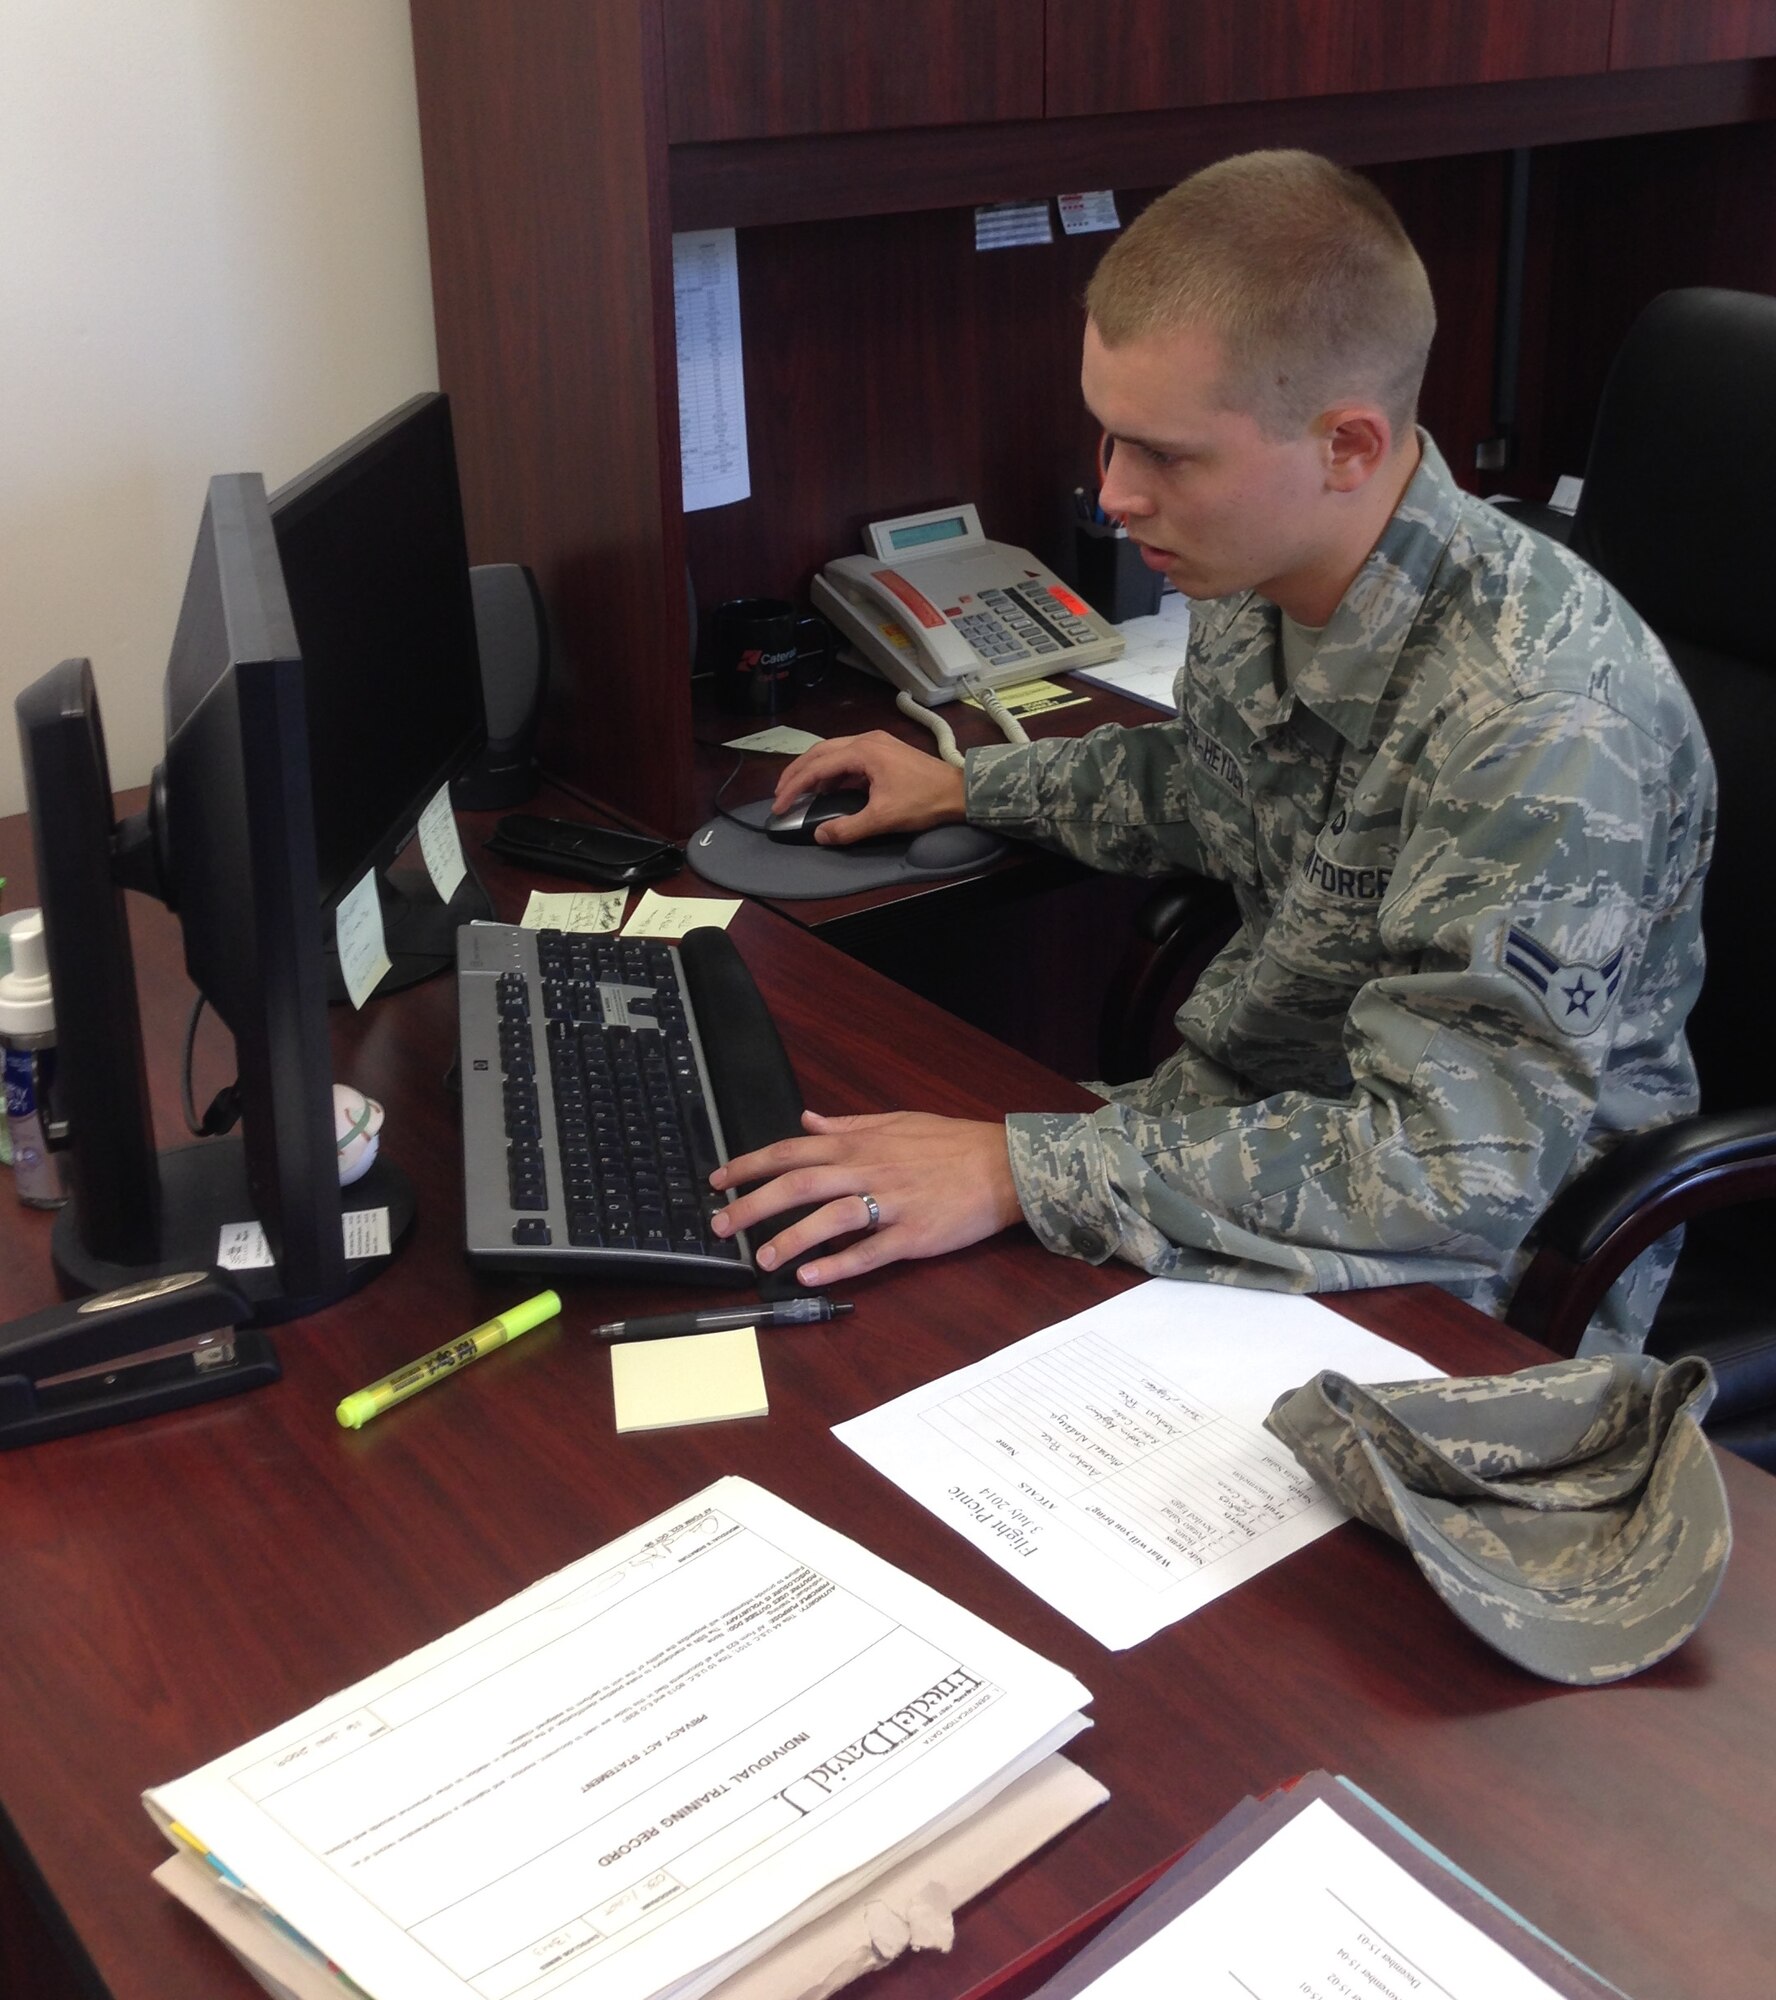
column 944, row 849
column 814, row 809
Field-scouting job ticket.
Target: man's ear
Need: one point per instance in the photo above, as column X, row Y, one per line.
column 1356, row 441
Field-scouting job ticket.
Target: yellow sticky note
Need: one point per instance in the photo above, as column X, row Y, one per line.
column 363, row 953
column 1026, row 691
column 576, row 910
column 699, row 1378
column 1034, row 697
column 657, row 916
column 780, row 740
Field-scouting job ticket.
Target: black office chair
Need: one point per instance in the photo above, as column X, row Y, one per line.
column 1676, row 512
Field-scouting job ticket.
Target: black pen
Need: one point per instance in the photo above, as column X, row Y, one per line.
column 789, row 1312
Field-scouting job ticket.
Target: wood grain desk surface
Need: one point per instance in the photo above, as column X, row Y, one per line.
column 171, row 1589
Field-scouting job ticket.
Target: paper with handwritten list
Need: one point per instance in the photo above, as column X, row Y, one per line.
column 1117, row 1463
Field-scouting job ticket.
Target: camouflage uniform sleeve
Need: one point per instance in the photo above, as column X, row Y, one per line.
column 1113, row 799
column 1527, row 847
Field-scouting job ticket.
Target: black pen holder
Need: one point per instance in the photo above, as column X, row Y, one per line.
column 1113, row 579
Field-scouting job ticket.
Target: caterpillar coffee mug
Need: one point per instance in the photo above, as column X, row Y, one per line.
column 755, row 643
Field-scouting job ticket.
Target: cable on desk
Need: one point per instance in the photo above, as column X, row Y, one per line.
column 1009, row 726
column 727, row 812
column 224, row 1112
column 929, row 718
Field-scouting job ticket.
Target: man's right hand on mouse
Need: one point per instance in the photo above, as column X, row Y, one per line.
column 909, row 790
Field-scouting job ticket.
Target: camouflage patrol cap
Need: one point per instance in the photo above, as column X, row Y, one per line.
column 1571, row 1515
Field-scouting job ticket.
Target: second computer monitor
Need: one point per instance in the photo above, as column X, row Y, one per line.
column 375, row 561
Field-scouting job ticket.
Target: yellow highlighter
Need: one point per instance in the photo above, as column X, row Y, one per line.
column 358, row 1408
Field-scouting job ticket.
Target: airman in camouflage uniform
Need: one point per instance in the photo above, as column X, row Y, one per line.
column 1467, row 844
column 1461, row 798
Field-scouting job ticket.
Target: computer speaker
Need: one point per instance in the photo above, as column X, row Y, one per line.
column 512, row 631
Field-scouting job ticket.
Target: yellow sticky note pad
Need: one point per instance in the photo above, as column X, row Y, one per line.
column 577, row 910
column 780, row 740
column 657, row 916
column 1034, row 697
column 699, row 1378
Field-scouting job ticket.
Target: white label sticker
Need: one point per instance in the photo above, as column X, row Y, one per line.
column 366, row 1232
column 441, row 845
column 242, row 1247
column 1083, row 214
column 363, row 954
column 1008, row 223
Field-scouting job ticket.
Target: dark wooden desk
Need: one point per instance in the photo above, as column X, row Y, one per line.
column 169, row 1590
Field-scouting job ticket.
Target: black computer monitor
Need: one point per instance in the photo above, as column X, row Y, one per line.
column 228, row 841
column 376, row 566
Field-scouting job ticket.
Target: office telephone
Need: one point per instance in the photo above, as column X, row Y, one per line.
column 935, row 607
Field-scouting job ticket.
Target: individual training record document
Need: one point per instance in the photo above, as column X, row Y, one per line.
column 636, row 1775
column 1118, row 1463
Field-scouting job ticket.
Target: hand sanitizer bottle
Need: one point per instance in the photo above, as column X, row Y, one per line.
column 6, row 924
column 28, row 1045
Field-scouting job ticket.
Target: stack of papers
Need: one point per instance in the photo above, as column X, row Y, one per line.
column 636, row 1778
column 1319, row 1890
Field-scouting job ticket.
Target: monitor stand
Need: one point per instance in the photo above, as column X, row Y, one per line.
column 203, row 1190
column 418, row 929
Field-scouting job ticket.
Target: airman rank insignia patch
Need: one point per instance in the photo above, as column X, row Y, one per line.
column 1576, row 998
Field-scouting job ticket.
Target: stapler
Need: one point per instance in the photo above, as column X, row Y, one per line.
column 113, row 1356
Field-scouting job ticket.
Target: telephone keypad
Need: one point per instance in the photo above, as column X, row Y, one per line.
column 1027, row 620
column 992, row 638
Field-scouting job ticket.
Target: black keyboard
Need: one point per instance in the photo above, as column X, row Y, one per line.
column 603, row 1079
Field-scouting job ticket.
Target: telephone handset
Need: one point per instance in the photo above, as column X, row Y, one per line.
column 934, row 604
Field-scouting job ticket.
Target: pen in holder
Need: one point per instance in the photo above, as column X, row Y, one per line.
column 1113, row 579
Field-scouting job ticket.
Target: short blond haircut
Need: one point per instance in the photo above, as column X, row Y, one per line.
column 1299, row 267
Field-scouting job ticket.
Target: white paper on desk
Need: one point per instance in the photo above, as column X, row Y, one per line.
column 1117, row 1463
column 1320, row 1911
column 636, row 1774
column 711, row 369
column 1153, row 651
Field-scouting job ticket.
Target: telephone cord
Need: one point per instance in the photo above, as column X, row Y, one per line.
column 1009, row 726
column 929, row 718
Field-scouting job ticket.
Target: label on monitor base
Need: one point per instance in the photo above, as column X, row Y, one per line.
column 242, row 1245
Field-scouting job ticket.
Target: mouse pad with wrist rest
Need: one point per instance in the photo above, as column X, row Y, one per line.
column 745, row 859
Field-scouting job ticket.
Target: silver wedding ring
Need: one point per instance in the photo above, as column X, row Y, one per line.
column 875, row 1214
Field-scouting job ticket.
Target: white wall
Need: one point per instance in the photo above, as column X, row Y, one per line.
column 212, row 259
